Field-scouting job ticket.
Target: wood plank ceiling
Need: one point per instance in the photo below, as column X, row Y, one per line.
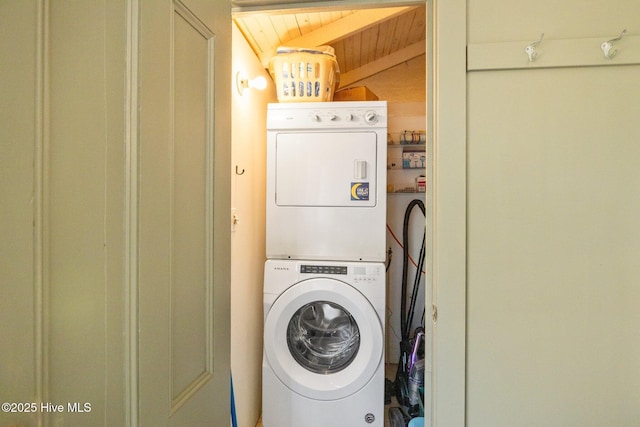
column 366, row 41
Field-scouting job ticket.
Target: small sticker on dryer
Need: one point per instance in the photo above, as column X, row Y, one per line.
column 359, row 191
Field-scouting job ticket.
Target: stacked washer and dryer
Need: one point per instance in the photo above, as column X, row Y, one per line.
column 324, row 283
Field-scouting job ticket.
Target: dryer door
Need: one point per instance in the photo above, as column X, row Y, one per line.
column 326, row 169
column 323, row 339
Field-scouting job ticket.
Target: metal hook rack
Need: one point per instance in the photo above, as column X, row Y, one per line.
column 550, row 52
column 530, row 50
column 607, row 46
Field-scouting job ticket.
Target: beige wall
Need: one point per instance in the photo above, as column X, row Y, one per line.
column 249, row 113
column 403, row 83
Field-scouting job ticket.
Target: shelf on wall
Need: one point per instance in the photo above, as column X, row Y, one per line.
column 405, row 192
column 406, row 168
column 407, row 145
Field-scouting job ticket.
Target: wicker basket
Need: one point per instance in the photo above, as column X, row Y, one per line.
column 304, row 75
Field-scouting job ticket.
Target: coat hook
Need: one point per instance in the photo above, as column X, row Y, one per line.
column 531, row 49
column 607, row 46
column 239, row 172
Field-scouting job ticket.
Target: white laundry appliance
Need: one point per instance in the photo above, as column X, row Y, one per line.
column 326, row 180
column 323, row 360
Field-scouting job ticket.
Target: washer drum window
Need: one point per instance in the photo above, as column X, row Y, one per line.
column 354, row 357
column 323, row 337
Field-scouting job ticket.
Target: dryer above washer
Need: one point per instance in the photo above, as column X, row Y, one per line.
column 326, row 181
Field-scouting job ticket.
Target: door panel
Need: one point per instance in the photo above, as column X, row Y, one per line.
column 184, row 204
column 552, row 233
column 19, row 222
column 190, row 258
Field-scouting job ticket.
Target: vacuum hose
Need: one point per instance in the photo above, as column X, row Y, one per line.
column 409, row 374
column 406, row 320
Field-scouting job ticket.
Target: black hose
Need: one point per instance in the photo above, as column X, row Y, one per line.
column 404, row 319
column 416, row 283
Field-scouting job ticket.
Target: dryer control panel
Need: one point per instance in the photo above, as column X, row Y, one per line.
column 326, row 115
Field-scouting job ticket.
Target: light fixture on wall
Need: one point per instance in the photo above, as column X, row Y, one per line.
column 243, row 82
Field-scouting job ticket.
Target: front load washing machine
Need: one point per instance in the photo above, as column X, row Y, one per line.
column 323, row 361
column 327, row 181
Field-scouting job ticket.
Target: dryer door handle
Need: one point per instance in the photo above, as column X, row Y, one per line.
column 360, row 169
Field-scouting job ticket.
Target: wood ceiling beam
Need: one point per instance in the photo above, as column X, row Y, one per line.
column 382, row 64
column 342, row 28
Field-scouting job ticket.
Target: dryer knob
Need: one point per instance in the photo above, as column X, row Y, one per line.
column 371, row 117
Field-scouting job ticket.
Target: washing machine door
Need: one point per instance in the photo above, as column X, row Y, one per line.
column 323, row 339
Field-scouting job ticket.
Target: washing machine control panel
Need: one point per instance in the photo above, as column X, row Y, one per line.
column 357, row 273
column 323, row 269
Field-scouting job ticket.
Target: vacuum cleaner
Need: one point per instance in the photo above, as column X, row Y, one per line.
column 408, row 385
